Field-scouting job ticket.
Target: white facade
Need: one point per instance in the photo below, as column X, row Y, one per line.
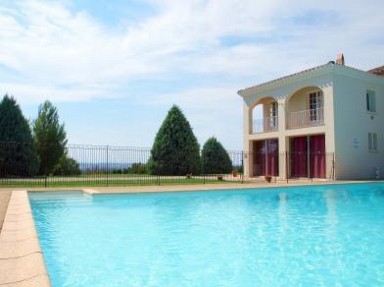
column 321, row 121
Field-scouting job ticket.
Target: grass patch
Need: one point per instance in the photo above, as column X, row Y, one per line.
column 114, row 180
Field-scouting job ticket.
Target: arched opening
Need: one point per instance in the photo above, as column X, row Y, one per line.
column 265, row 116
column 305, row 108
column 264, row 159
column 307, row 155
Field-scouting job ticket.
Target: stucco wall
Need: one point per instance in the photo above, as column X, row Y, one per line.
column 352, row 124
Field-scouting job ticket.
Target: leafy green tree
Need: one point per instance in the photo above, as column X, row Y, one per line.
column 66, row 166
column 175, row 150
column 137, row 168
column 215, row 158
column 50, row 137
column 18, row 155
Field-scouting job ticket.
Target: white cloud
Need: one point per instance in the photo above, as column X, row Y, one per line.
column 45, row 43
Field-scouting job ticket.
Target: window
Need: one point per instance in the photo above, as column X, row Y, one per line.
column 316, row 106
column 273, row 114
column 372, row 142
column 371, row 101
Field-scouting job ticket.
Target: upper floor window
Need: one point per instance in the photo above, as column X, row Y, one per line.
column 371, row 101
column 273, row 114
column 316, row 105
column 372, row 142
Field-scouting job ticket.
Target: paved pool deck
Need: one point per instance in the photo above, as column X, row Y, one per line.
column 21, row 258
column 5, row 196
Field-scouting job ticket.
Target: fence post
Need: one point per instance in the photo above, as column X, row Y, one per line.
column 203, row 167
column 46, row 168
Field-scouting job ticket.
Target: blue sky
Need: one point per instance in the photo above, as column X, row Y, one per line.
column 114, row 68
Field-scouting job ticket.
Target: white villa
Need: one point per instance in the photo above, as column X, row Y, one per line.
column 324, row 122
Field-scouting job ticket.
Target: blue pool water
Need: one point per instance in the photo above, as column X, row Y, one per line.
column 329, row 235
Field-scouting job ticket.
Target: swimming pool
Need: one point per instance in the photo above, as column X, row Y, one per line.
column 329, row 235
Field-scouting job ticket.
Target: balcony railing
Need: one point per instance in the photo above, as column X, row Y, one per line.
column 307, row 118
column 268, row 124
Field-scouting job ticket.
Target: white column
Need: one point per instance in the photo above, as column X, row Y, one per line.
column 247, row 125
column 282, row 138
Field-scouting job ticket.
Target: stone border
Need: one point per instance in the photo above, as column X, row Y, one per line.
column 21, row 259
column 203, row 187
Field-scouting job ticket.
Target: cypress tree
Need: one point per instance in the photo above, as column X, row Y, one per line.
column 18, row 155
column 215, row 158
column 175, row 150
column 50, row 137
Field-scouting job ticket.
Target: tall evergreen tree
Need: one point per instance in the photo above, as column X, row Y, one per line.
column 175, row 150
column 50, row 137
column 18, row 155
column 215, row 158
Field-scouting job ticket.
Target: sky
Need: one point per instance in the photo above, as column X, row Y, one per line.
column 114, row 68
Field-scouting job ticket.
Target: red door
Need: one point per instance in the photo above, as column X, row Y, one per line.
column 273, row 157
column 259, row 158
column 317, row 156
column 308, row 156
column 299, row 160
column 266, row 157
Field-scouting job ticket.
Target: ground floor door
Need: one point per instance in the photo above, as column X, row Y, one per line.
column 266, row 157
column 317, row 156
column 307, row 156
column 299, row 156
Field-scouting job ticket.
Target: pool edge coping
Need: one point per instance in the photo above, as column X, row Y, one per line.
column 21, row 258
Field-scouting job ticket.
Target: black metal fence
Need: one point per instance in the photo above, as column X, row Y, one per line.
column 91, row 165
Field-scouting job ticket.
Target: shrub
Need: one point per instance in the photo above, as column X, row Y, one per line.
column 215, row 158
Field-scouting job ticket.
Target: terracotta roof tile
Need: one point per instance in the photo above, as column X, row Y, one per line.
column 379, row 71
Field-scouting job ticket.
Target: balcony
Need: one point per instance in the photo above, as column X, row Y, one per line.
column 268, row 124
column 307, row 118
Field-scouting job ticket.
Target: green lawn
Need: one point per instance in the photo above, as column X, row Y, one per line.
column 113, row 180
